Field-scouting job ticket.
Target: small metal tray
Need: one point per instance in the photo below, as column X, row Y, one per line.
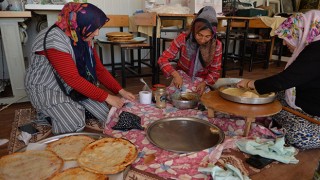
column 263, row 99
column 95, row 136
column 184, row 134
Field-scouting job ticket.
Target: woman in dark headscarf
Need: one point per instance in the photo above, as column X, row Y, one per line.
column 200, row 52
column 62, row 78
column 299, row 84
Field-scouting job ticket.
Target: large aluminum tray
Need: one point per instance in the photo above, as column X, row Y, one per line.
column 267, row 98
column 95, row 136
column 184, row 134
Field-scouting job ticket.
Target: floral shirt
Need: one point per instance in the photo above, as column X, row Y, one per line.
column 210, row 73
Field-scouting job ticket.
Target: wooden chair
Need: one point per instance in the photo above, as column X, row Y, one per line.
column 132, row 67
column 116, row 21
column 256, row 56
column 236, row 30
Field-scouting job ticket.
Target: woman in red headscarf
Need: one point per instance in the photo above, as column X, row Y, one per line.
column 62, row 78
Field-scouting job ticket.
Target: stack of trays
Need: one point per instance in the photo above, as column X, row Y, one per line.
column 119, row 36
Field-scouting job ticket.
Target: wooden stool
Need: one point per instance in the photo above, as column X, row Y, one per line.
column 254, row 48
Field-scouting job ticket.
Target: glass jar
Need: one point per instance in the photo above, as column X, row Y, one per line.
column 161, row 98
column 154, row 89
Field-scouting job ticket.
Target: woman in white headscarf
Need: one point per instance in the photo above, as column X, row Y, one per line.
column 300, row 80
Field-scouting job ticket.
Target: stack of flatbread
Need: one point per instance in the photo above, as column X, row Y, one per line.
column 95, row 158
column 119, row 36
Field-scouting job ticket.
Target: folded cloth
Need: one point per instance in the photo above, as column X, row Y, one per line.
column 231, row 173
column 3, row 141
column 25, row 137
column 269, row 149
column 128, row 121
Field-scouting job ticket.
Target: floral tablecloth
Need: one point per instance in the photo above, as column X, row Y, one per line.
column 173, row 165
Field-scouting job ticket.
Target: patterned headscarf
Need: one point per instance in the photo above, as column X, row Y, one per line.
column 206, row 19
column 79, row 21
column 299, row 30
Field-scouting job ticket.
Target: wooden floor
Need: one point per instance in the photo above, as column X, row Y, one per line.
column 302, row 171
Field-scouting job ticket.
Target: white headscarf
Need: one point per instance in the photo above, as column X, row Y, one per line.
column 299, row 30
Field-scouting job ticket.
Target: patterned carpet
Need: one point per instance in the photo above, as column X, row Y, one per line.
column 25, row 116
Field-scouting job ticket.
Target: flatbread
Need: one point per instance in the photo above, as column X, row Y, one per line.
column 78, row 174
column 119, row 38
column 240, row 93
column 233, row 91
column 250, row 94
column 33, row 164
column 107, row 155
column 69, row 147
column 119, row 34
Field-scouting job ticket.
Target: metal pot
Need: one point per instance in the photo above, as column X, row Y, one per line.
column 185, row 100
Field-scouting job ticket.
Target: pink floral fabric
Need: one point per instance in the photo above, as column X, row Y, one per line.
column 170, row 164
column 299, row 30
column 189, row 84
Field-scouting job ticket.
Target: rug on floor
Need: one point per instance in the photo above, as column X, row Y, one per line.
column 25, row 116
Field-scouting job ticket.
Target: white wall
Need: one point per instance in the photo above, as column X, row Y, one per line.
column 118, row 6
column 109, row 7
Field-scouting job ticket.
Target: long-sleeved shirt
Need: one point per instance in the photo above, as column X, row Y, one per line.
column 303, row 74
column 210, row 73
column 67, row 70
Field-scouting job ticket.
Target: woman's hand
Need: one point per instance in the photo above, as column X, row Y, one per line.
column 246, row 84
column 200, row 87
column 177, row 79
column 127, row 95
column 114, row 101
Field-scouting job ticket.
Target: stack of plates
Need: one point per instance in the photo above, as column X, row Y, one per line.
column 119, row 36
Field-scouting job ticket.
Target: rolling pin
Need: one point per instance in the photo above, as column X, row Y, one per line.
column 301, row 115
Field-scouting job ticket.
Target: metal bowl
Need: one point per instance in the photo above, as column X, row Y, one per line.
column 185, row 100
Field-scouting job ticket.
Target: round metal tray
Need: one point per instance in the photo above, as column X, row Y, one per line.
column 184, row 134
column 95, row 136
column 263, row 99
column 225, row 81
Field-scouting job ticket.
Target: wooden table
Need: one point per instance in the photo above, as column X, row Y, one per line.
column 214, row 102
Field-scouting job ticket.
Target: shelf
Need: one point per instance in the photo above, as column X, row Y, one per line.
column 46, row 7
column 15, row 14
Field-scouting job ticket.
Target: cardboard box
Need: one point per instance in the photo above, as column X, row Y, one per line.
column 251, row 12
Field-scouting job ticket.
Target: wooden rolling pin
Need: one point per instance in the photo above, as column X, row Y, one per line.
column 301, row 115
